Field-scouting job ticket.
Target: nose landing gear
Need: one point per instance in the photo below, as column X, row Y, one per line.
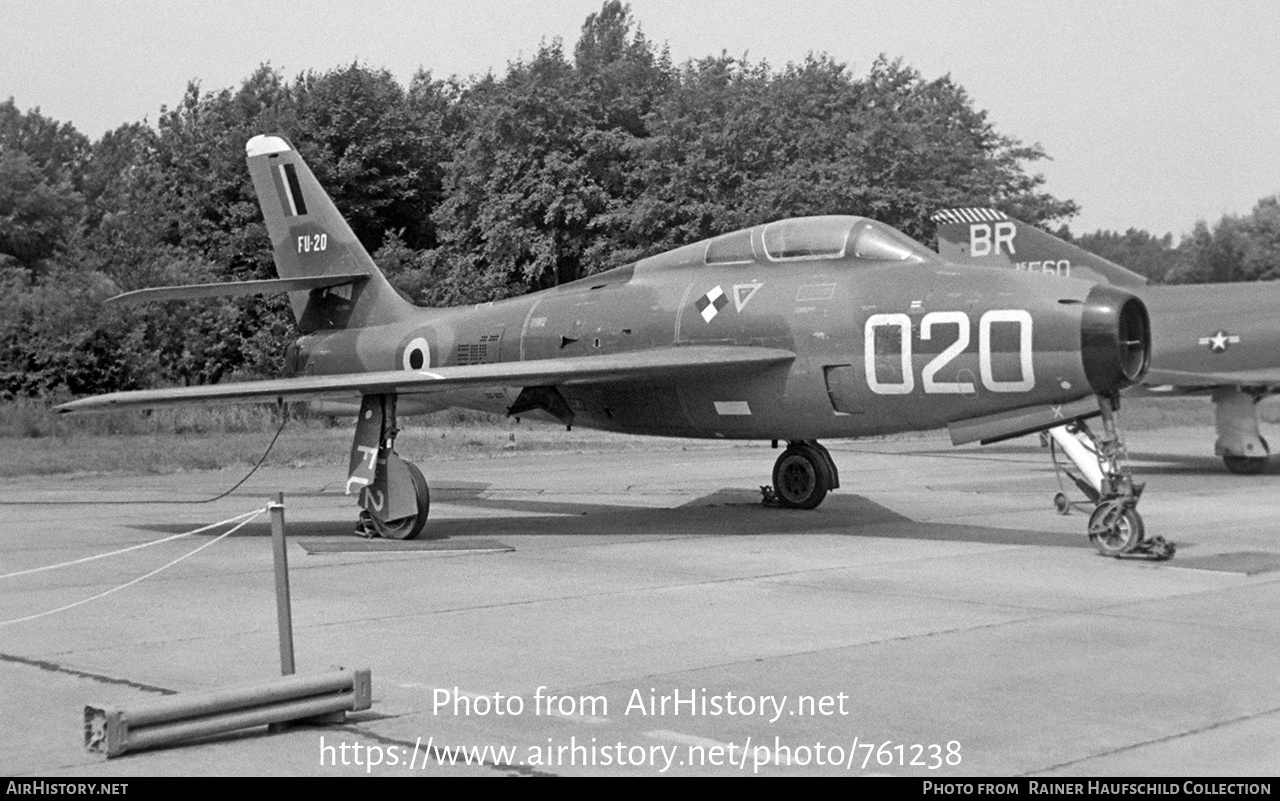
column 1115, row 526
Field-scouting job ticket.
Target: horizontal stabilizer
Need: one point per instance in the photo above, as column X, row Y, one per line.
column 198, row 291
column 688, row 363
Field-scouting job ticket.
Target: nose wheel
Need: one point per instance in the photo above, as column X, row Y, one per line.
column 1114, row 530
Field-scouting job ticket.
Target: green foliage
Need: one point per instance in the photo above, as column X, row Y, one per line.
column 40, row 201
column 1145, row 254
column 1236, row 248
column 56, row 147
column 57, row 339
column 373, row 149
column 37, row 218
column 407, row 269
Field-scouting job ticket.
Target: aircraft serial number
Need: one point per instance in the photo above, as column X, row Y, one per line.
column 313, row 242
column 905, row 382
column 1061, row 267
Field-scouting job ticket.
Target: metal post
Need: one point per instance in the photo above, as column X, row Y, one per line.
column 284, row 613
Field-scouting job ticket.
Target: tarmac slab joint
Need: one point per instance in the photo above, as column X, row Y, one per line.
column 1250, row 563
column 356, row 545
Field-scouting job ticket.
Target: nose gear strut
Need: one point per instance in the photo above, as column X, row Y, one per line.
column 1115, row 527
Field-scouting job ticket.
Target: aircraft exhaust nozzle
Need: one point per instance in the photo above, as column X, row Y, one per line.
column 1115, row 339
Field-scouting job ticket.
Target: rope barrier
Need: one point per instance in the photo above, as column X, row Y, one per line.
column 248, row 518
column 252, row 514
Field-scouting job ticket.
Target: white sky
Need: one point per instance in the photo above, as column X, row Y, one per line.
column 1156, row 114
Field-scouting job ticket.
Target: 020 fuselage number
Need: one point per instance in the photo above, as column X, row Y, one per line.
column 904, row 383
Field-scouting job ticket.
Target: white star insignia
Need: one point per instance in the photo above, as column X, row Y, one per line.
column 1219, row 341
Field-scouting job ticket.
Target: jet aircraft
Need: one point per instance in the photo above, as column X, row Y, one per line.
column 1219, row 340
column 797, row 330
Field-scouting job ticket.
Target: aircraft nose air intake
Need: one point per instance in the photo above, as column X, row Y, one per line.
column 1115, row 339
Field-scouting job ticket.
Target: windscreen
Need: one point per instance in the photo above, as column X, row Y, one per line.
column 877, row 242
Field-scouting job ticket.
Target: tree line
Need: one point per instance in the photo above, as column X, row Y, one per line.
column 468, row 190
column 1239, row 247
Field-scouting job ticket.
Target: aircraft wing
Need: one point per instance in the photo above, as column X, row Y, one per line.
column 682, row 362
column 1260, row 377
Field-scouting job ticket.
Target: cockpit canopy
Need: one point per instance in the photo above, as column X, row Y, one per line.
column 813, row 238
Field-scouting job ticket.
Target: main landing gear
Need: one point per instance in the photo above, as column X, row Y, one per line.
column 393, row 493
column 1240, row 443
column 802, row 476
column 1115, row 527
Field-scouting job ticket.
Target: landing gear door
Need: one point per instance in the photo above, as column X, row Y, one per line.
column 391, row 495
column 364, row 449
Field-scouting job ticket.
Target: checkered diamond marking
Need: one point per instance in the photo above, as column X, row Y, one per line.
column 710, row 304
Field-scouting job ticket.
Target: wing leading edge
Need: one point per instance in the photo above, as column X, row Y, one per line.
column 1190, row 379
column 650, row 365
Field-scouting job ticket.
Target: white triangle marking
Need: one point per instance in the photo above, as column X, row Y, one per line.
column 740, row 300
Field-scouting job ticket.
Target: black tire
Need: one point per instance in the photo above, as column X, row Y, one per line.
column 801, row 479
column 1115, row 533
column 406, row 528
column 1245, row 465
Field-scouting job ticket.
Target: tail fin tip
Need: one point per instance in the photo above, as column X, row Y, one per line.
column 265, row 145
column 967, row 215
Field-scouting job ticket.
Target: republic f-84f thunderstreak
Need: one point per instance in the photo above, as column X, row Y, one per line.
column 797, row 330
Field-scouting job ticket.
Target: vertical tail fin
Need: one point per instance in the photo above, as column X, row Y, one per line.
column 310, row 238
column 992, row 238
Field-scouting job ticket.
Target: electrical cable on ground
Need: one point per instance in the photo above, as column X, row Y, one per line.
column 284, row 419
